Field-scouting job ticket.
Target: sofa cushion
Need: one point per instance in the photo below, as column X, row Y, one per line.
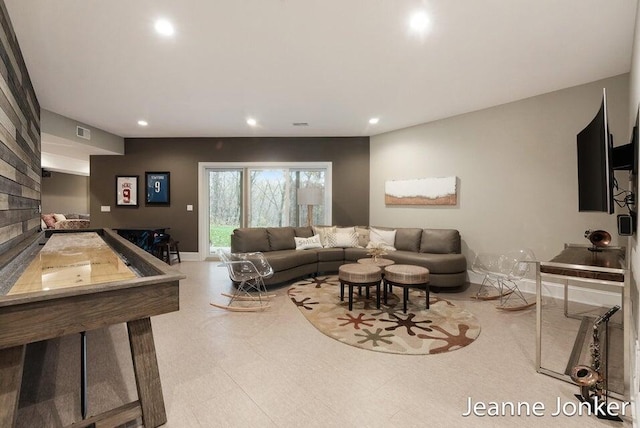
column 440, row 241
column 289, row 259
column 408, row 239
column 330, row 254
column 250, row 239
column 303, row 232
column 436, row 263
column 281, row 238
column 353, row 254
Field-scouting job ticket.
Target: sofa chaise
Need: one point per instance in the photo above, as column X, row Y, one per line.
column 439, row 250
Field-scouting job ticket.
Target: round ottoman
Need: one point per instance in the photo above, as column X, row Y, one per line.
column 360, row 275
column 406, row 276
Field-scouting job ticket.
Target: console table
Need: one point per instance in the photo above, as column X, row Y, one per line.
column 577, row 263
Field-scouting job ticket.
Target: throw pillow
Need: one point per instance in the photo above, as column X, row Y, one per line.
column 308, row 243
column 323, row 231
column 386, row 237
column 59, row 217
column 49, row 220
column 347, row 239
column 363, row 236
column 43, row 225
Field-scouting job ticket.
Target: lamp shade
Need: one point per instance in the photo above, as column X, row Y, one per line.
column 309, row 196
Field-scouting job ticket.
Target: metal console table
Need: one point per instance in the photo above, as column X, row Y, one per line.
column 578, row 264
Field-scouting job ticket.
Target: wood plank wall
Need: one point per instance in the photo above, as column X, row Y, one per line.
column 20, row 170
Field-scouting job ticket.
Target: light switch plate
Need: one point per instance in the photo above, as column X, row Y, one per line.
column 105, row 208
column 189, row 207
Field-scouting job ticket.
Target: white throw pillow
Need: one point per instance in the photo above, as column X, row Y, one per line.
column 308, row 243
column 59, row 217
column 347, row 239
column 324, row 231
column 384, row 237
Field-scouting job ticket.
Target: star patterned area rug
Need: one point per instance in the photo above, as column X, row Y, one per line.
column 442, row 328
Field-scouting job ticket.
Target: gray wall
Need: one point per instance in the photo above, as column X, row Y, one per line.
column 63, row 127
column 65, row 193
column 180, row 156
column 19, row 143
column 516, row 167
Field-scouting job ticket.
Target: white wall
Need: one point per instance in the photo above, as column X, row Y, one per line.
column 516, row 166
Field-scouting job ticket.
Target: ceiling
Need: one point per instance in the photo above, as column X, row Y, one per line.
column 331, row 63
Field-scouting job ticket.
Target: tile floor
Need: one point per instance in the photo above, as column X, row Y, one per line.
column 274, row 369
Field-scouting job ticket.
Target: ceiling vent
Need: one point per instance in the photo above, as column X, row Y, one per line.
column 83, row 132
column 300, row 124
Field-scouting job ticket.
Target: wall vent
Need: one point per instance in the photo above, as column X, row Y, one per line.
column 300, row 124
column 83, row 132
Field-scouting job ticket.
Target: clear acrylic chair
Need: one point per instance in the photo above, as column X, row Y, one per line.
column 512, row 268
column 486, row 265
column 247, row 271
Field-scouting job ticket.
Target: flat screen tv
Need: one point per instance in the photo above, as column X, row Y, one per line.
column 595, row 173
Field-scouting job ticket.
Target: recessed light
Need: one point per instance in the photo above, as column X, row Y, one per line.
column 143, row 123
column 419, row 22
column 374, row 120
column 164, row 27
column 251, row 122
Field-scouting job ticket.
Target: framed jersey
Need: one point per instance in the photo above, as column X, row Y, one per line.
column 127, row 190
column 157, row 185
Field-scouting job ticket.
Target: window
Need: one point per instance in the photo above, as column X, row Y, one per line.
column 258, row 195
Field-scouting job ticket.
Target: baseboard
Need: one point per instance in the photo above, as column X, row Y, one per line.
column 635, row 385
column 189, row 256
column 555, row 290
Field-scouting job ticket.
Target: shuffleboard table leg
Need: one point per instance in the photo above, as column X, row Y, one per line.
column 83, row 374
column 11, row 366
column 145, row 366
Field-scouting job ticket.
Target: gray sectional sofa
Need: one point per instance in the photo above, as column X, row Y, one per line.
column 439, row 250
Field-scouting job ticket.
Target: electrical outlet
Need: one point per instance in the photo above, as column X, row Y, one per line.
column 189, row 207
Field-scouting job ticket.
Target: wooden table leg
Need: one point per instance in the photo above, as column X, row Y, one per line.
column 145, row 366
column 11, row 366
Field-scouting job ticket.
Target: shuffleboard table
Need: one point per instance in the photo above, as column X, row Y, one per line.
column 83, row 281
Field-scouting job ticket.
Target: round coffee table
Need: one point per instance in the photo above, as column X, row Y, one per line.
column 360, row 275
column 406, row 276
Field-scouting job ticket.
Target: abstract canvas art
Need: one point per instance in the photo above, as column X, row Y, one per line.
column 421, row 191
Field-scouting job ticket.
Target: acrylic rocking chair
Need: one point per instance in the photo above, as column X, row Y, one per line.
column 247, row 271
column 486, row 265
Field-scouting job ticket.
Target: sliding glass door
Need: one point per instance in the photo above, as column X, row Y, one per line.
column 225, row 205
column 263, row 195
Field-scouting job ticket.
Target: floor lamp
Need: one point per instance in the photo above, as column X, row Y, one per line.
column 309, row 196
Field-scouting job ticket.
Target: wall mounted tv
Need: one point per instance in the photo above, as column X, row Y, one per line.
column 595, row 172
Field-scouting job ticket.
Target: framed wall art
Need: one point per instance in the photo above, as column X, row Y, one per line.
column 422, row 191
column 127, row 190
column 157, row 185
